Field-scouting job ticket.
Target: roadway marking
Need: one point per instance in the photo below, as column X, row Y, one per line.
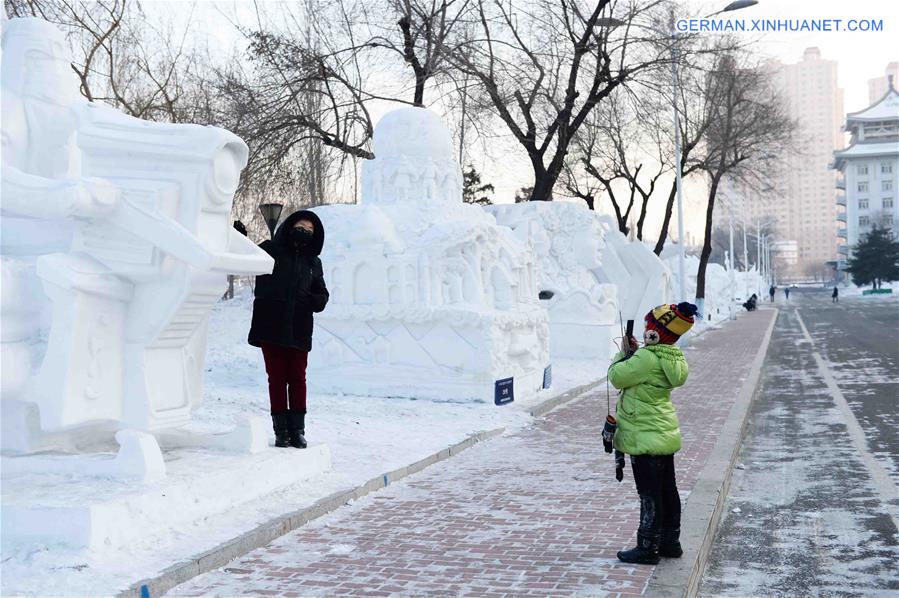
column 879, row 475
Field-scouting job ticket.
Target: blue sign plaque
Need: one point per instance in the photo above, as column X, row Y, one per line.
column 503, row 392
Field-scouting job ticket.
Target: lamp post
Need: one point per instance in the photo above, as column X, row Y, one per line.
column 733, row 278
column 761, row 251
column 613, row 22
column 271, row 212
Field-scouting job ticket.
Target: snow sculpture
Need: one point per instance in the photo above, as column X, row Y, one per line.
column 120, row 229
column 568, row 240
column 429, row 297
column 643, row 280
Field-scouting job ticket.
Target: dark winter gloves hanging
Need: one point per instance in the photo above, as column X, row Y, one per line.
column 619, row 465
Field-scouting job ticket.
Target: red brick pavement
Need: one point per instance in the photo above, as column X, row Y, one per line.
column 534, row 513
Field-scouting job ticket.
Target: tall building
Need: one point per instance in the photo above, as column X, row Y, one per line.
column 870, row 170
column 806, row 210
column 877, row 87
column 799, row 201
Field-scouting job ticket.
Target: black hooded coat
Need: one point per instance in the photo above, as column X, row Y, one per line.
column 287, row 298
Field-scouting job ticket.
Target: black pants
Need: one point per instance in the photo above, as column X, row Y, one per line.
column 659, row 499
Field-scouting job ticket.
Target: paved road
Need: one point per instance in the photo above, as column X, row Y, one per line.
column 534, row 513
column 814, row 511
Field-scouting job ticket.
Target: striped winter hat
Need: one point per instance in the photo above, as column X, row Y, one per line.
column 669, row 323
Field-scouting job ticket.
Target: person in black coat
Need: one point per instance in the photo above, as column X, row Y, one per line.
column 282, row 319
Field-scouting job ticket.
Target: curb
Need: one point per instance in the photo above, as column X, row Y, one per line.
column 676, row 578
column 267, row 532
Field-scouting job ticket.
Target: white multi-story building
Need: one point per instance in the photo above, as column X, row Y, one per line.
column 870, row 170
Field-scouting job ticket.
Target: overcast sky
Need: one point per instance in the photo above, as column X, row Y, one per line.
column 861, row 55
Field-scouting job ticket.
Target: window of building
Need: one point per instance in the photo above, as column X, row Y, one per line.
column 888, row 220
column 887, row 202
column 862, row 187
column 862, row 169
column 863, row 221
column 886, row 168
column 863, row 204
column 886, row 185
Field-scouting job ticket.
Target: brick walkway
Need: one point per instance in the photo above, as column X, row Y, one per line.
column 537, row 512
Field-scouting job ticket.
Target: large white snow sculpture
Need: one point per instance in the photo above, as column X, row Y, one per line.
column 644, row 280
column 568, row 242
column 123, row 227
column 429, row 297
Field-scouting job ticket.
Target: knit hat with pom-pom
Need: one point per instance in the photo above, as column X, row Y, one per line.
column 669, row 322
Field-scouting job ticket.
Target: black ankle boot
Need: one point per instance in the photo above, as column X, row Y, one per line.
column 297, row 428
column 645, row 553
column 279, row 423
column 669, row 544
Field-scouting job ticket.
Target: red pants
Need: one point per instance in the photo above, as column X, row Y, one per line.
column 286, row 369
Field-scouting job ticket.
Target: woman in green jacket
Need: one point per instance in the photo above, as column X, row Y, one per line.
column 648, row 429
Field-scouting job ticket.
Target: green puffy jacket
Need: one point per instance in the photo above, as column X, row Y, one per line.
column 647, row 423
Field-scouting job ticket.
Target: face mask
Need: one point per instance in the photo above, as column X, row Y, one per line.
column 300, row 237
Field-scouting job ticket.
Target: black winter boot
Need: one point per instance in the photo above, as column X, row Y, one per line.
column 645, row 553
column 669, row 544
column 279, row 423
column 297, row 428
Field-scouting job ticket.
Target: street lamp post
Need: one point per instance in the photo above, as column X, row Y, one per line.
column 271, row 212
column 733, row 279
column 745, row 249
column 681, row 238
column 678, row 150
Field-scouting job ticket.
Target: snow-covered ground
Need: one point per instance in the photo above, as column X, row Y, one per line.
column 367, row 437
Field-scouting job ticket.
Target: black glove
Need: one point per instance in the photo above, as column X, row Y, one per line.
column 608, row 433
column 239, row 227
column 619, row 465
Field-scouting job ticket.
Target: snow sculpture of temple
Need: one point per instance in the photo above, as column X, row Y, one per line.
column 429, row 297
column 569, row 243
column 116, row 242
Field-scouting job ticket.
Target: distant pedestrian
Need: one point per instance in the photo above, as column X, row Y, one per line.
column 751, row 303
column 835, row 297
column 648, row 429
column 771, row 292
column 787, row 292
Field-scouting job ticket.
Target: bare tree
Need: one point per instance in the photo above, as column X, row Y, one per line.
column 299, row 103
column 620, row 146
column 545, row 65
column 142, row 67
column 747, row 119
column 420, row 32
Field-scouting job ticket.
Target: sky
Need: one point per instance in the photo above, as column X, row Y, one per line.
column 861, row 56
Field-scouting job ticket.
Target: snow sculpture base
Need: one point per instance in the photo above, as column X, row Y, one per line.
column 46, row 503
column 445, row 356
